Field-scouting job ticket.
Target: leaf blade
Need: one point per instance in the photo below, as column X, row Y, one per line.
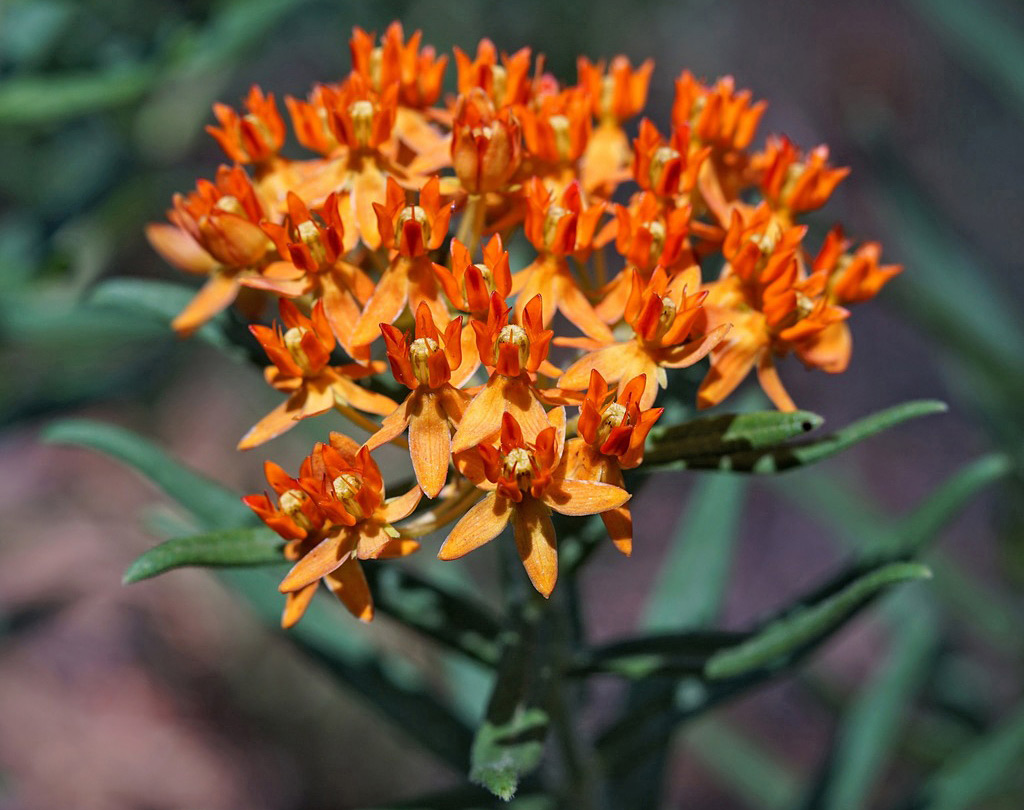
column 225, row 548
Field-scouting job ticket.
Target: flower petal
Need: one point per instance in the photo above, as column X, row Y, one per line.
column 482, row 417
column 295, row 604
column 349, row 584
column 331, row 552
column 573, row 497
column 430, row 442
column 619, row 523
column 400, row 507
column 768, row 376
column 478, row 526
column 537, row 545
column 283, row 418
column 213, row 297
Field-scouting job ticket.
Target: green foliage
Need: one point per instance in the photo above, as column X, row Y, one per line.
column 229, row 547
column 759, row 451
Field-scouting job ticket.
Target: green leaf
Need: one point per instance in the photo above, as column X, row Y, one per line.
column 510, row 742
column 788, row 456
column 162, row 301
column 728, row 433
column 874, row 721
column 980, row 771
column 34, row 100
column 229, row 547
column 457, row 621
column 774, row 644
column 987, row 46
column 214, row 505
column 644, row 656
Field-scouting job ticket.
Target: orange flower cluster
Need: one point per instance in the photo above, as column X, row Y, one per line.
column 356, row 243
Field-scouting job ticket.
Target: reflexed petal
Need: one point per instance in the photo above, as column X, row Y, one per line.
column 363, row 399
column 478, row 526
column 385, row 305
column 349, row 584
column 213, row 297
column 575, row 306
column 283, row 418
column 692, row 352
column 609, row 361
column 537, row 545
column 728, row 369
column 619, row 523
column 572, row 497
column 324, row 558
column 179, row 248
column 768, row 376
column 373, row 538
column 392, row 426
column 401, row 506
column 482, row 417
column 430, row 444
column 398, row 547
column 296, row 603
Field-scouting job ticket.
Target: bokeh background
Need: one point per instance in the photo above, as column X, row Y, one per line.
column 172, row 694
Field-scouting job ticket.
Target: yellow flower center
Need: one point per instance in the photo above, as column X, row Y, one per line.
column 293, row 343
column 607, row 97
column 515, row 336
column 258, row 124
column 560, row 127
column 376, row 62
column 614, row 415
column 290, row 502
column 346, row 488
column 667, row 316
column 554, row 216
column 420, row 352
column 769, row 240
column 416, row 214
column 662, row 156
column 518, row 466
column 499, row 82
column 657, row 231
column 361, row 113
column 309, row 234
column 230, row 204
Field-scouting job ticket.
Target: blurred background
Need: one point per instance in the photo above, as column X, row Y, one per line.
column 171, row 694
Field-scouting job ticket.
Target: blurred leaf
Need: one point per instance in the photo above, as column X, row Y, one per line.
column 459, row 622
column 35, row 100
column 229, row 547
column 338, row 642
column 670, row 654
column 213, row 504
column 771, row 646
column 981, row 770
column 875, row 720
column 750, row 771
column 726, row 433
column 510, row 742
column 161, row 301
column 988, row 46
column 787, row 456
column 472, row 798
column 687, row 595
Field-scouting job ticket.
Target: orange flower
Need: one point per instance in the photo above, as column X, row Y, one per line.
column 469, row 286
column 424, row 364
column 663, row 316
column 505, row 84
column 615, row 97
column 556, row 131
column 772, row 308
column 526, row 482
column 611, row 439
column 669, row 169
column 418, row 73
column 253, row 138
column 853, row 277
column 215, row 231
column 514, row 352
column 794, row 183
column 345, row 487
column 486, row 144
column 718, row 115
column 300, row 355
column 410, row 230
column 557, row 228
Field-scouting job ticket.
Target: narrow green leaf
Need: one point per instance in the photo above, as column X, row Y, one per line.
column 978, row 772
column 161, row 300
column 213, row 504
column 229, row 547
column 777, row 641
column 788, row 456
column 510, row 742
column 729, row 433
column 459, row 622
column 34, row 100
column 645, row 656
column 748, row 770
column 986, row 44
column 873, row 723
